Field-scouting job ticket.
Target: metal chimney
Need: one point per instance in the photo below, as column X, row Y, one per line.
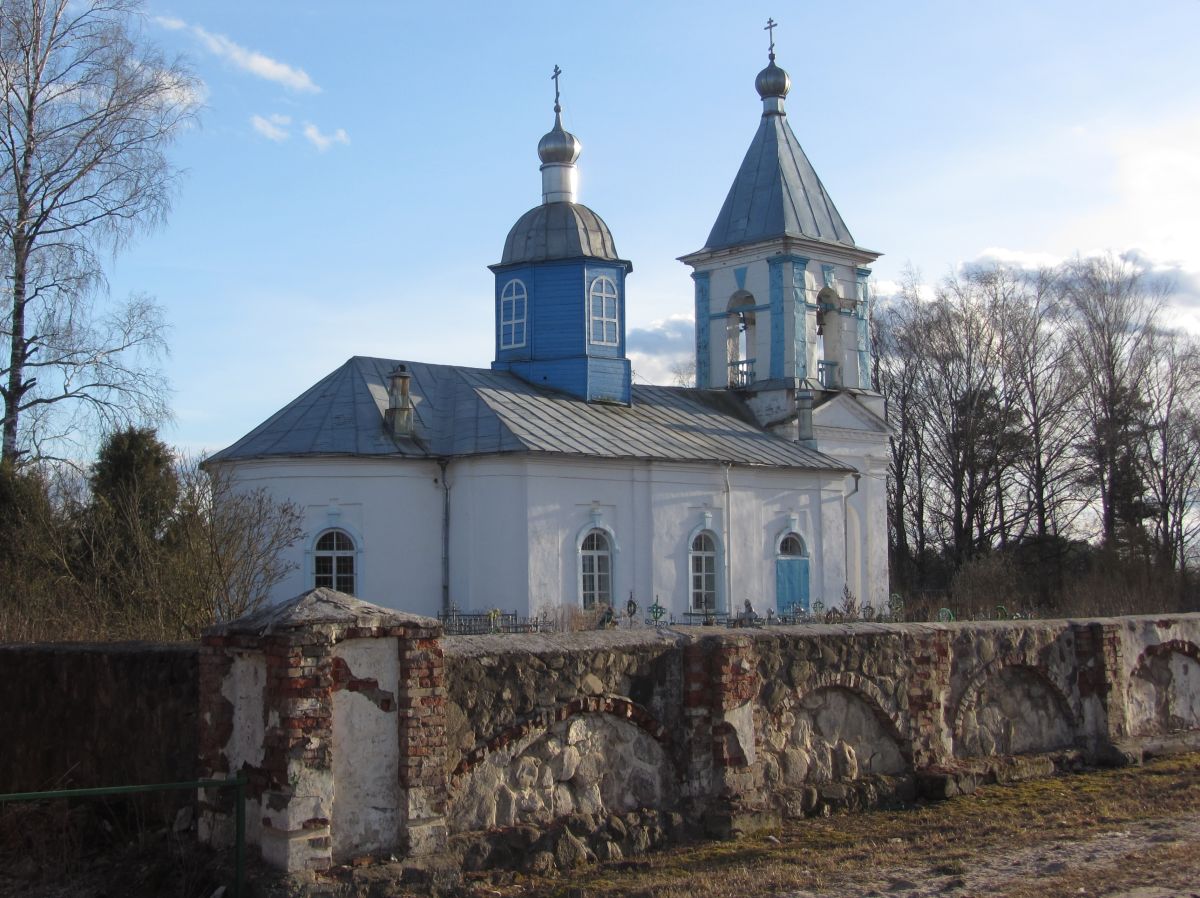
column 804, row 425
column 398, row 419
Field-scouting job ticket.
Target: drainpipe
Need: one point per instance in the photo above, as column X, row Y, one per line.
column 728, row 545
column 846, row 529
column 442, row 463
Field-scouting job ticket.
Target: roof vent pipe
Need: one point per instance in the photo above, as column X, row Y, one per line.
column 398, row 419
column 804, row 422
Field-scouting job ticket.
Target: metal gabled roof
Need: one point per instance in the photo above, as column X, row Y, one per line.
column 461, row 411
column 776, row 194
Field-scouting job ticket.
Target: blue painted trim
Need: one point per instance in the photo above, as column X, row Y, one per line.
column 862, row 313
column 739, row 275
column 702, row 326
column 827, row 275
column 800, row 307
column 778, row 335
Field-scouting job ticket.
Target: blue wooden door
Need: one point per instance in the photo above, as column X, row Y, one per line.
column 791, row 585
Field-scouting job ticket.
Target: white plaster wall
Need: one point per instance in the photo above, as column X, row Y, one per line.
column 866, row 450
column 244, row 687
column 515, row 523
column 490, row 538
column 652, row 510
column 366, row 754
column 392, row 508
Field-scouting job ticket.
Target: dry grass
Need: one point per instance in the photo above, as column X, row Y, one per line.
column 943, row 839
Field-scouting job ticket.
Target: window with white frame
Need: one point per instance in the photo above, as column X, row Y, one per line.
column 512, row 314
column 595, row 568
column 703, row 564
column 602, row 312
column 333, row 561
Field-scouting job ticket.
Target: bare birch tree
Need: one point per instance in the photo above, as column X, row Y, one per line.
column 1171, row 387
column 88, row 110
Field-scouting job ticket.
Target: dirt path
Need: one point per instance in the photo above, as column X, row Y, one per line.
column 1151, row 859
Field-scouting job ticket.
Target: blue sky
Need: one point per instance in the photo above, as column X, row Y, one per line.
column 358, row 165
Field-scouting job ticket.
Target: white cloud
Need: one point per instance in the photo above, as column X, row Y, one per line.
column 663, row 351
column 247, row 60
column 324, row 141
column 1027, row 261
column 273, row 127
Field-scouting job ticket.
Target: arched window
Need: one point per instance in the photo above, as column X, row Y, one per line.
column 703, row 566
column 595, row 568
column 333, row 561
column 791, row 546
column 602, row 312
column 512, row 314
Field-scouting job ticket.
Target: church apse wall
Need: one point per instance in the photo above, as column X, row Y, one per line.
column 379, row 736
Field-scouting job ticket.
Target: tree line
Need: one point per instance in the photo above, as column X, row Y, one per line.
column 1045, row 434
column 142, row 546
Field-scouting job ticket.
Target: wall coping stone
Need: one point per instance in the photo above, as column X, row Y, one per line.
column 319, row 607
column 560, row 643
column 681, row 635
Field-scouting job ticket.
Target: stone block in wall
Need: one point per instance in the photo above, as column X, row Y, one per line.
column 333, row 708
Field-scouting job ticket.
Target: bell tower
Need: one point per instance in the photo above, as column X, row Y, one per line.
column 780, row 285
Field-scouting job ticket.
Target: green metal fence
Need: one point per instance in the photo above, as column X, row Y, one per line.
column 238, row 784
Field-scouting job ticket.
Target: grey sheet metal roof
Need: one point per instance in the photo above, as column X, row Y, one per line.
column 776, row 194
column 558, row 231
column 473, row 411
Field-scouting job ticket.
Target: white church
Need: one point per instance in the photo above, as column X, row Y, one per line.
column 549, row 479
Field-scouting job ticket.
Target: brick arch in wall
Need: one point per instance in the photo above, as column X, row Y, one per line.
column 1182, row 646
column 872, row 696
column 1165, row 715
column 984, row 672
column 614, row 705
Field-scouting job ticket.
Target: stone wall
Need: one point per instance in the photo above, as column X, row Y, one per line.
column 82, row 715
column 541, row 727
column 540, row 751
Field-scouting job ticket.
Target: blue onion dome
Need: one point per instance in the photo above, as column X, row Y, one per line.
column 559, row 145
column 772, row 81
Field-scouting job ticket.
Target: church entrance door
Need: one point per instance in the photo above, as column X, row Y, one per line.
column 791, row 585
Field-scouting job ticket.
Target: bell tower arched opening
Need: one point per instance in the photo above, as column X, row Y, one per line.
column 740, row 340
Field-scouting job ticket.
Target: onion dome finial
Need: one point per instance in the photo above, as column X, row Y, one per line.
column 772, row 82
column 558, row 145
